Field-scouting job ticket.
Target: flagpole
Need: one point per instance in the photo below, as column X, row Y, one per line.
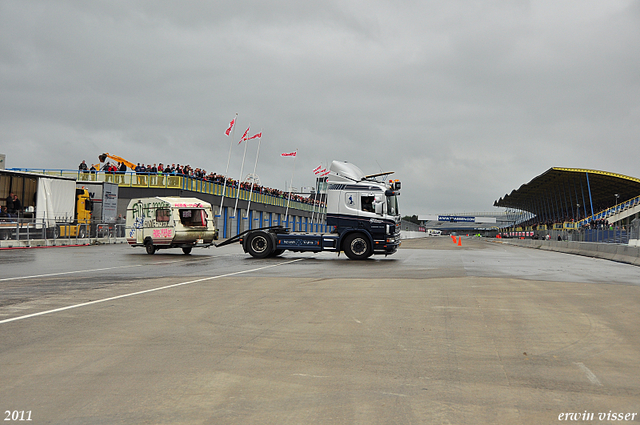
column 321, row 211
column 235, row 209
column 254, row 173
column 224, row 178
column 286, row 215
column 313, row 212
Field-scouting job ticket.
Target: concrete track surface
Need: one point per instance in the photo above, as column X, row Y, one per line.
column 482, row 333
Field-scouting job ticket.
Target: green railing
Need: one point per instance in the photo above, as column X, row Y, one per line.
column 172, row 181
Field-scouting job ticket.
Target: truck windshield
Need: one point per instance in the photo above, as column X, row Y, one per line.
column 392, row 205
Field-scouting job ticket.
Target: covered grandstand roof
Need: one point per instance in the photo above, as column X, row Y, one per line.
column 558, row 191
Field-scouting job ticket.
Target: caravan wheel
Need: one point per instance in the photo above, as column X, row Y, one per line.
column 150, row 248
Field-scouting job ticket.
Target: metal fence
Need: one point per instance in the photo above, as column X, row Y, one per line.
column 634, row 229
column 615, row 235
column 179, row 181
column 22, row 229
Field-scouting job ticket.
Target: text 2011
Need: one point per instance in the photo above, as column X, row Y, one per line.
column 17, row 415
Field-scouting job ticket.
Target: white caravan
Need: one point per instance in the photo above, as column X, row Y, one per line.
column 170, row 222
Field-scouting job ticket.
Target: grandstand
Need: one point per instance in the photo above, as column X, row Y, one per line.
column 570, row 199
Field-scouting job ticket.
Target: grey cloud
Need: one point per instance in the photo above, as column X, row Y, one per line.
column 465, row 102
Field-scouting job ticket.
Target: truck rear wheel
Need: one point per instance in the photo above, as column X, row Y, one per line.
column 186, row 250
column 53, row 232
column 357, row 247
column 277, row 252
column 260, row 244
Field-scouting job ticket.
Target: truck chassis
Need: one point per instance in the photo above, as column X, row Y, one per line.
column 272, row 241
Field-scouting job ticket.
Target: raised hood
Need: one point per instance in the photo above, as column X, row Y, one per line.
column 344, row 172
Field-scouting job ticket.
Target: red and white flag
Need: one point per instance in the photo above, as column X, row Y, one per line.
column 289, row 154
column 231, row 124
column 255, row 136
column 320, row 171
column 244, row 136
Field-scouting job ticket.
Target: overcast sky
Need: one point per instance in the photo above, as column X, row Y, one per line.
column 464, row 100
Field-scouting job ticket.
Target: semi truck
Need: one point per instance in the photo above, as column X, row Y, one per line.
column 169, row 222
column 82, row 214
column 362, row 213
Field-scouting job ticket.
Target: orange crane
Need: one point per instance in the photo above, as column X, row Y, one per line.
column 104, row 156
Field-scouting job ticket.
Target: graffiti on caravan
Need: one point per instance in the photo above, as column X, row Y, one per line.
column 148, row 209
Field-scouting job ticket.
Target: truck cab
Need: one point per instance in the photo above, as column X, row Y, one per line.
column 363, row 205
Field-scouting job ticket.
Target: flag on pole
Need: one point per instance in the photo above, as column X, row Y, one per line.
column 243, row 138
column 320, row 171
column 289, row 154
column 255, row 136
column 231, row 124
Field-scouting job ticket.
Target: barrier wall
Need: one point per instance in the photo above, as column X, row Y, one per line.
column 615, row 252
column 409, row 234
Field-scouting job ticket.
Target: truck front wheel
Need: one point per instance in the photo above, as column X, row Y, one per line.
column 260, row 245
column 357, row 247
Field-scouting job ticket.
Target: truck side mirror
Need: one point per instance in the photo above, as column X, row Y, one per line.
column 378, row 207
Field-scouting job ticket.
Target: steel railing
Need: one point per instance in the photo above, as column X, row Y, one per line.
column 23, row 229
column 178, row 181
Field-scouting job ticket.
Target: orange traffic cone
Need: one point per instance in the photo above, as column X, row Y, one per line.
column 459, row 240
column 453, row 238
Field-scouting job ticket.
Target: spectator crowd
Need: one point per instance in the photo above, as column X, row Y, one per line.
column 156, row 174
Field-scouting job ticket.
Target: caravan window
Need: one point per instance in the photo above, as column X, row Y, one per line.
column 193, row 217
column 163, row 215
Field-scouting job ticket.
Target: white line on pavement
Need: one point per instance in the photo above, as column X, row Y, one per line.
column 590, row 375
column 160, row 263
column 63, row 273
column 145, row 291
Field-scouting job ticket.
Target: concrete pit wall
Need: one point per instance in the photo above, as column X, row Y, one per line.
column 614, row 252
